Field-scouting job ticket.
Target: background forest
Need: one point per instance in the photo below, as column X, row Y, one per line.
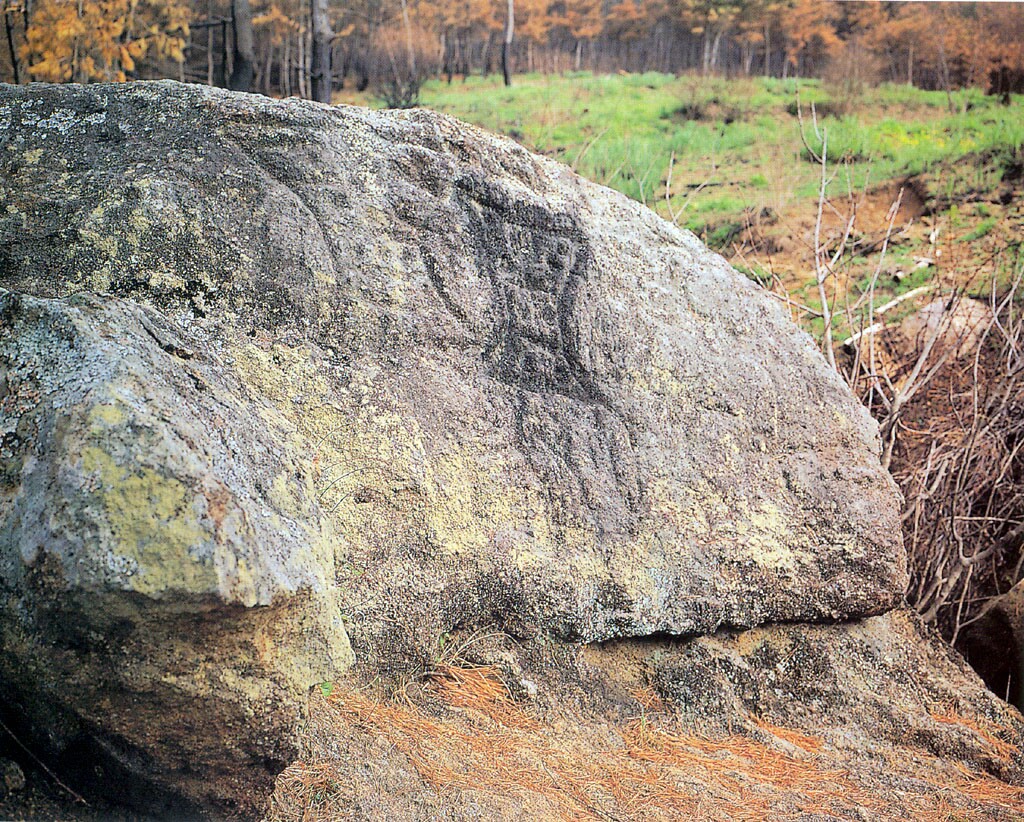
column 290, row 47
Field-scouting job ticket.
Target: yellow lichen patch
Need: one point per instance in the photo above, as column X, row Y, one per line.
column 323, row 278
column 154, row 530
column 32, row 157
column 473, row 503
column 95, row 233
column 280, row 373
column 696, row 508
column 165, row 281
column 763, row 533
column 285, row 495
column 663, row 382
column 768, row 538
column 136, row 226
column 660, row 377
column 106, row 415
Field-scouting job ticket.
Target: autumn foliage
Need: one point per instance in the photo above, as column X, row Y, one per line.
column 97, row 40
column 940, row 45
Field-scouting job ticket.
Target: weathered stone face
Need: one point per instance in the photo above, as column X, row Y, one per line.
column 389, row 370
column 572, row 392
column 865, row 685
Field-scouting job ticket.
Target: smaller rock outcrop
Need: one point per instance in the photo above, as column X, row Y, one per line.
column 166, row 607
column 873, row 719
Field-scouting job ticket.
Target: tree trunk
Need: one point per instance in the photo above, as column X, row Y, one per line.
column 301, row 64
column 705, row 58
column 447, row 69
column 342, row 65
column 486, row 58
column 321, row 52
column 9, row 25
column 268, row 77
column 715, row 49
column 944, row 73
column 286, row 68
column 241, row 28
column 209, row 55
column 506, row 46
column 364, row 76
column 221, row 75
column 410, row 52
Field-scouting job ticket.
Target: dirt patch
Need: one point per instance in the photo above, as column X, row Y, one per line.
column 713, row 111
column 787, row 238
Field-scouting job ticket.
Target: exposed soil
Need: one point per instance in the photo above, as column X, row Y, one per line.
column 935, row 220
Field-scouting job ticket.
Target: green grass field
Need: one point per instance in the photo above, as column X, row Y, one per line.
column 732, row 144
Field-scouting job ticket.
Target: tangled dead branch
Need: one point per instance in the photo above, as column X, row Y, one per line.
column 951, row 412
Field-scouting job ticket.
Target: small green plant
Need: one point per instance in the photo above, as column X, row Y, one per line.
column 401, row 91
column 757, row 274
column 981, row 230
column 690, row 111
column 443, row 641
column 721, row 236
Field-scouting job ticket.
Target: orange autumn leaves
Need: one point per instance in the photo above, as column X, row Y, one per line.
column 101, row 40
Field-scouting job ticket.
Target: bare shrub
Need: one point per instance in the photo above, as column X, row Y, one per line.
column 950, row 404
column 947, row 389
column 408, row 57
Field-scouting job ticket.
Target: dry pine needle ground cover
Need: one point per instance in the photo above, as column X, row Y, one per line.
column 462, row 739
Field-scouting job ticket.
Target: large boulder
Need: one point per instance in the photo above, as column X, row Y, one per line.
column 276, row 376
column 163, row 588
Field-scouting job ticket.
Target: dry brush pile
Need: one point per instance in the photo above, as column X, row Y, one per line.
column 946, row 384
column 941, row 366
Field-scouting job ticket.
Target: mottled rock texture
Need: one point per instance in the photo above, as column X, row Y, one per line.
column 162, row 588
column 276, row 376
